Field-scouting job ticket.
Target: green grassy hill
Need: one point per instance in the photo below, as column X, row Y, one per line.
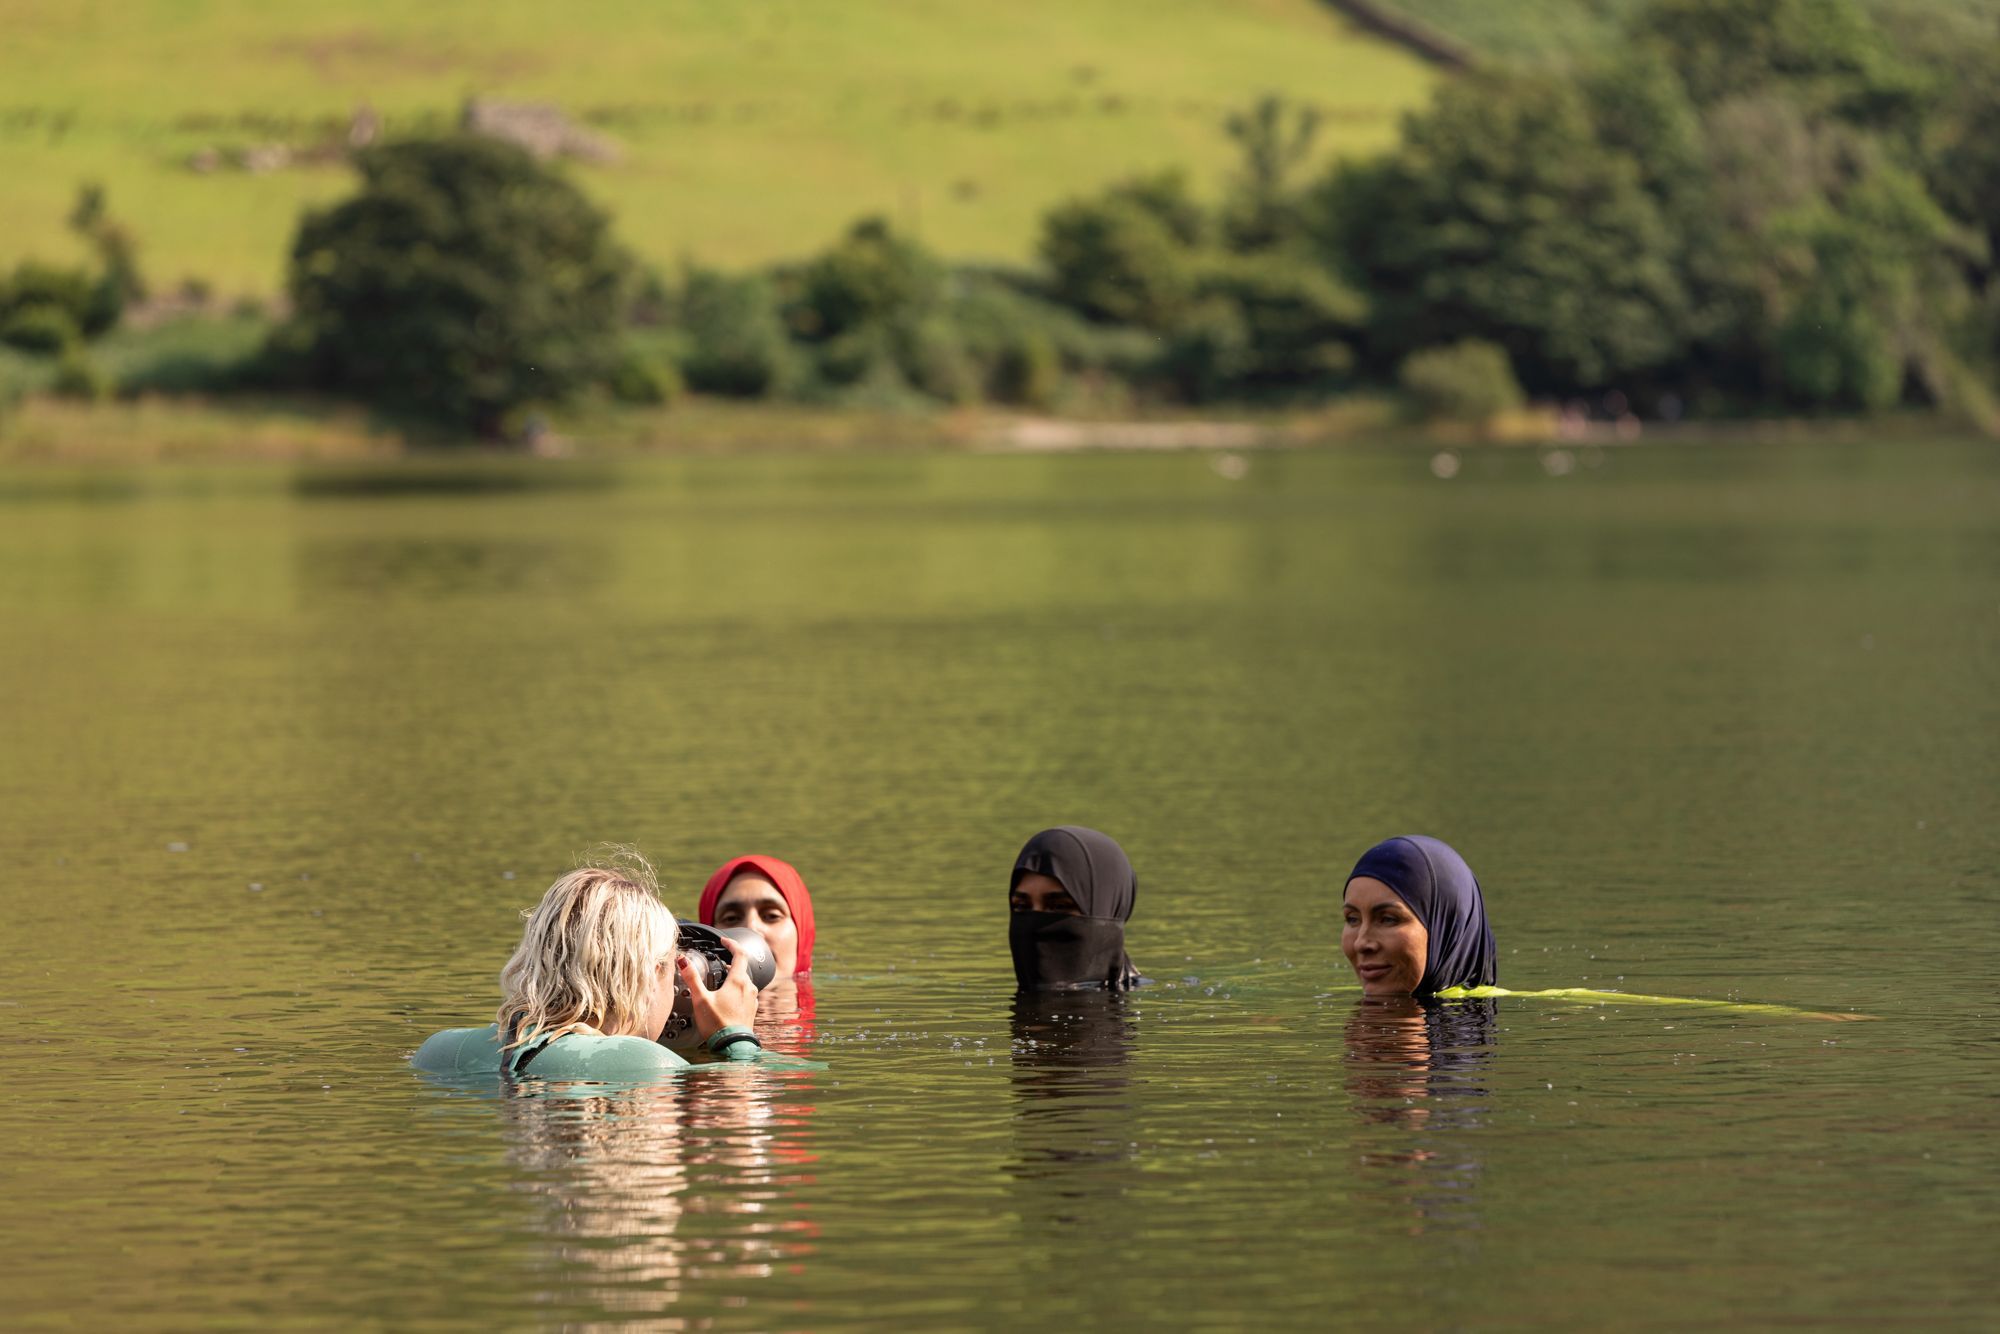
column 748, row 131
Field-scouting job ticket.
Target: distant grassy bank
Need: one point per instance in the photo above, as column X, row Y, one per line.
column 200, row 429
column 746, row 132
column 1736, row 209
column 44, row 431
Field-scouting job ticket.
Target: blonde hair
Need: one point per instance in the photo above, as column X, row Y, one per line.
column 587, row 955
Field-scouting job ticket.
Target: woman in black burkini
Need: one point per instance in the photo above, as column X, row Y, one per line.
column 1074, row 1162
column 1071, row 895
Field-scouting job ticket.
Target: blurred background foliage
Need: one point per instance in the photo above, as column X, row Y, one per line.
column 1682, row 207
column 740, row 134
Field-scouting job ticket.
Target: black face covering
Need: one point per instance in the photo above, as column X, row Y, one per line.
column 1064, row 951
column 1056, row 951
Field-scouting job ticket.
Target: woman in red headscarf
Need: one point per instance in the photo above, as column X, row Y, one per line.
column 769, row 896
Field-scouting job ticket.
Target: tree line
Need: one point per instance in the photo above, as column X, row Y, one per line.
column 1751, row 206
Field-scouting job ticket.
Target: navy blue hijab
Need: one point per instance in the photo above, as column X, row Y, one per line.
column 1437, row 885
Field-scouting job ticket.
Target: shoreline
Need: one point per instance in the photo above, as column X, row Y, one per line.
column 41, row 431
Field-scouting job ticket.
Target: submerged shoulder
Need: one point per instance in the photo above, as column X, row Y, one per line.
column 457, row 1050
column 590, row 1057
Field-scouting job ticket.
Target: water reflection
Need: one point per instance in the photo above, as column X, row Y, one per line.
column 608, row 1169
column 755, row 1149
column 1074, row 1105
column 857, row 664
column 785, row 1016
column 432, row 568
column 1417, row 1073
column 644, row 1188
column 455, row 479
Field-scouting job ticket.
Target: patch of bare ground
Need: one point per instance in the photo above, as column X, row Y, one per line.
column 1054, row 435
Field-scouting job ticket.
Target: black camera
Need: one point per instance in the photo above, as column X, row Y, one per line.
column 703, row 947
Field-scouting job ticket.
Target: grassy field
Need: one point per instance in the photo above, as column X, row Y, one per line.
column 1556, row 30
column 748, row 131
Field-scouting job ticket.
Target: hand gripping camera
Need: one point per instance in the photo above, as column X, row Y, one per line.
column 704, row 948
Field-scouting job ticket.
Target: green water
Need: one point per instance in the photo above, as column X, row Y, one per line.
column 283, row 753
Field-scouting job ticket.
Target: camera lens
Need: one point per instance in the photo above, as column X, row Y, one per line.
column 710, row 952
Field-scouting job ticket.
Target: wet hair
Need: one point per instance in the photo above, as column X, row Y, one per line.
column 587, row 955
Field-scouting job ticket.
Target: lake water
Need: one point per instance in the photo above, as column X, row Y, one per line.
column 284, row 752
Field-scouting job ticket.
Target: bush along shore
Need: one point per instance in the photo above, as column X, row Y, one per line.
column 1752, row 209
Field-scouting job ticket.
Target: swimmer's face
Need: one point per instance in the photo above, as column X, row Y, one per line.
column 1382, row 939
column 753, row 901
column 1041, row 893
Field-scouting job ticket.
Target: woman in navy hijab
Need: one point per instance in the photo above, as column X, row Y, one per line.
column 1415, row 920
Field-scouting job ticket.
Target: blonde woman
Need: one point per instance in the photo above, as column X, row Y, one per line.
column 591, row 986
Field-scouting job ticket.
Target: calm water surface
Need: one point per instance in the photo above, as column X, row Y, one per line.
column 283, row 753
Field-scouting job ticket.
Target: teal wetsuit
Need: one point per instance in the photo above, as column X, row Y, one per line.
column 476, row 1051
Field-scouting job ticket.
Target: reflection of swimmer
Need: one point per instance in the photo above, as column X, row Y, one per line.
column 769, row 896
column 785, row 1017
column 1403, row 1053
column 1064, row 1030
column 590, row 985
column 1415, row 921
column 756, row 1135
column 1074, row 1112
column 1072, row 893
column 1416, row 1071
column 648, row 1186
column 609, row 1170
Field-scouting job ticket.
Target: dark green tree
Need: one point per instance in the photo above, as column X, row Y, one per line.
column 1826, row 50
column 1276, row 142
column 1465, row 382
column 1964, row 172
column 1504, row 216
column 117, row 252
column 45, row 296
column 1869, row 293
column 871, row 278
column 1819, row 271
column 869, row 313
column 736, row 339
column 1208, row 352
column 1299, row 324
column 1027, row 370
column 1964, row 164
column 465, row 280
column 1166, row 195
column 1125, row 257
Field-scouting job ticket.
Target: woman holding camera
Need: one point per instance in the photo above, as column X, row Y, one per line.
column 591, row 986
